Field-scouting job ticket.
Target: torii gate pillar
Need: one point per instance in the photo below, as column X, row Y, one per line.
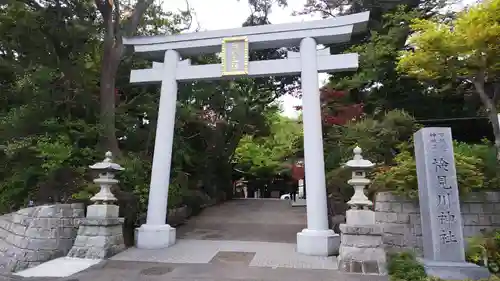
column 317, row 239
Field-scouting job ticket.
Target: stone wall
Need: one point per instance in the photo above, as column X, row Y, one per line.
column 34, row 235
column 401, row 217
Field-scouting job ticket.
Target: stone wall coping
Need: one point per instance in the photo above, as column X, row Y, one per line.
column 480, row 197
column 101, row 221
column 472, row 197
column 361, row 229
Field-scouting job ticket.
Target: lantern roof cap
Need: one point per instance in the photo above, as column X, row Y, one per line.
column 358, row 162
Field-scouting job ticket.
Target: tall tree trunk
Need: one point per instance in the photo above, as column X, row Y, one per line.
column 489, row 104
column 109, row 63
column 109, row 140
column 493, row 116
column 113, row 51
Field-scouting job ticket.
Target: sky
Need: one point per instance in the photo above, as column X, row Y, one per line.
column 224, row 14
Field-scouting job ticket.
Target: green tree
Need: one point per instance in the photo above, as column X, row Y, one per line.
column 50, row 120
column 376, row 83
column 49, row 65
column 266, row 155
column 123, row 19
column 465, row 49
column 46, row 50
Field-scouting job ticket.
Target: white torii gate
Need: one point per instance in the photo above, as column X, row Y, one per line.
column 317, row 239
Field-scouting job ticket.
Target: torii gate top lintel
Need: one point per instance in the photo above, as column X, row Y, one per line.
column 327, row 31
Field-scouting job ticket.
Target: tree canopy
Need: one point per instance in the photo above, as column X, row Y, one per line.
column 464, row 50
column 51, row 63
column 269, row 155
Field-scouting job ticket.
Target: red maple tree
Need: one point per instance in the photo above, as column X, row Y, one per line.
column 336, row 107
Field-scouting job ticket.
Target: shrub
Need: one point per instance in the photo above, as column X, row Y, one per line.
column 176, row 195
column 135, row 178
column 484, row 250
column 339, row 192
column 194, row 199
column 379, row 139
column 45, row 168
column 404, row 267
column 337, row 182
column 489, row 166
column 401, row 178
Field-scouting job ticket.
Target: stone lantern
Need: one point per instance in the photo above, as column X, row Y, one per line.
column 103, row 201
column 100, row 234
column 359, row 167
column 361, row 246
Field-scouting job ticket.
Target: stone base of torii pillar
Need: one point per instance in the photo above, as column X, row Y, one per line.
column 155, row 236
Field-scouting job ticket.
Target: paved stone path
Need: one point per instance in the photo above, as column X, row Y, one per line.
column 256, row 254
column 250, row 239
column 139, row 271
column 267, row 220
column 263, row 231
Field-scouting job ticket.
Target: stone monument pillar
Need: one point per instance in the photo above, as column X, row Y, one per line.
column 442, row 228
column 100, row 234
column 361, row 246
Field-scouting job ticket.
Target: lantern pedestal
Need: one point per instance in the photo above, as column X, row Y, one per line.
column 360, row 217
column 98, row 238
column 362, row 250
column 102, row 211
